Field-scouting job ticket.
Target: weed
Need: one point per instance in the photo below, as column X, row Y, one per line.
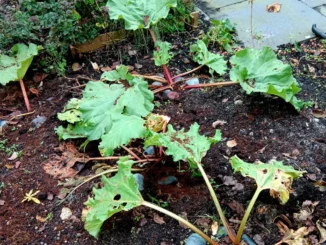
column 220, row 33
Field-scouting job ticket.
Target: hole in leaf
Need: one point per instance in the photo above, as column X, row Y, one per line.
column 117, row 197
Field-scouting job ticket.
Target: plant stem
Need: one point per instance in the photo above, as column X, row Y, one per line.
column 165, row 68
column 161, row 89
column 246, row 216
column 131, row 152
column 216, row 202
column 22, row 86
column 188, row 72
column 211, row 85
column 155, row 78
column 181, row 220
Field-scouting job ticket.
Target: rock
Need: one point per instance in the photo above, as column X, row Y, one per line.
column 243, row 132
column 238, row 102
column 173, row 95
column 193, row 81
column 186, row 60
column 168, row 180
column 157, row 84
column 138, row 66
column 195, row 239
column 166, row 92
column 42, row 195
column 65, row 213
column 38, row 121
column 149, row 150
column 178, row 79
column 257, row 238
column 140, row 181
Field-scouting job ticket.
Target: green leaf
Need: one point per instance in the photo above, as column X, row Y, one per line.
column 14, row 67
column 71, row 112
column 119, row 193
column 124, row 128
column 113, row 113
column 261, row 71
column 202, row 56
column 121, row 73
column 274, row 176
column 163, row 56
column 184, row 145
column 134, row 12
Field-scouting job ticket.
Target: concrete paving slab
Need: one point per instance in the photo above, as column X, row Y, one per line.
column 292, row 23
column 322, row 10
column 314, row 3
column 223, row 3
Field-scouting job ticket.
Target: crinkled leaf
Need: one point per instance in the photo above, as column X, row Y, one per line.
column 105, row 106
column 274, row 176
column 163, row 56
column 261, row 71
column 124, row 129
column 184, row 145
column 71, row 111
column 292, row 237
column 121, row 73
column 136, row 12
column 119, row 193
column 14, row 67
column 202, row 56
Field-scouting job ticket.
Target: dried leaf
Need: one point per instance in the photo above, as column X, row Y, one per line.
column 158, row 219
column 95, row 66
column 274, row 8
column 40, row 219
column 17, row 164
column 236, row 206
column 231, row 143
column 76, row 66
column 39, row 77
column 214, row 228
column 308, row 207
column 321, row 185
column 34, row 91
column 318, row 113
column 292, row 237
column 13, row 156
column 218, row 123
column 321, row 226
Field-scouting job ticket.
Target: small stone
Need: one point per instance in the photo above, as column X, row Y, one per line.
column 251, row 134
column 173, row 95
column 38, row 121
column 168, row 180
column 243, row 132
column 138, row 66
column 78, row 235
column 65, row 213
column 193, row 81
column 238, row 102
column 157, row 84
column 186, row 60
column 271, row 131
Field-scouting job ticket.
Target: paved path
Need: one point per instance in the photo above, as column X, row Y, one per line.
column 292, row 23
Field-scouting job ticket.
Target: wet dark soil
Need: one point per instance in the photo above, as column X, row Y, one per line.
column 264, row 128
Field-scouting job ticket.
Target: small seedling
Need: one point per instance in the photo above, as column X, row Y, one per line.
column 30, row 196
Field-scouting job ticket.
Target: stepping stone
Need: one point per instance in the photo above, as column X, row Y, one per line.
column 292, row 23
column 313, row 3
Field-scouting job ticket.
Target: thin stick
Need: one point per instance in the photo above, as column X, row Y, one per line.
column 21, row 115
column 155, row 78
column 94, row 177
column 107, row 158
column 131, row 152
column 211, row 85
column 161, row 89
column 181, row 220
column 22, row 86
column 188, row 72
column 217, row 204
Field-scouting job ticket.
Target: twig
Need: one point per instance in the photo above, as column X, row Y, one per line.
column 22, row 86
column 155, row 78
column 131, row 152
column 211, row 85
column 162, row 89
column 21, row 115
column 188, row 72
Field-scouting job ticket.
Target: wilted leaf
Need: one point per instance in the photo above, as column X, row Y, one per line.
column 202, row 56
column 139, row 14
column 184, row 145
column 109, row 201
column 292, row 237
column 156, row 122
column 214, row 228
column 34, row 91
column 158, row 219
column 321, row 185
column 308, row 207
column 318, row 113
column 274, row 176
column 261, row 71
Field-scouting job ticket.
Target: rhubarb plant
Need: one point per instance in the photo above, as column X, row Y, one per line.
column 114, row 113
column 15, row 66
column 274, row 176
column 202, row 56
column 162, row 55
column 259, row 70
column 120, row 193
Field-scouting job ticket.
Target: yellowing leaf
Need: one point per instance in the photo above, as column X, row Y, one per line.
column 292, row 237
column 274, row 176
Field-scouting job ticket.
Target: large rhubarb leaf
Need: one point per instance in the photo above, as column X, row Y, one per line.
column 14, row 67
column 274, row 176
column 190, row 145
column 113, row 113
column 202, row 56
column 119, row 193
column 261, row 71
column 139, row 14
column 163, row 56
